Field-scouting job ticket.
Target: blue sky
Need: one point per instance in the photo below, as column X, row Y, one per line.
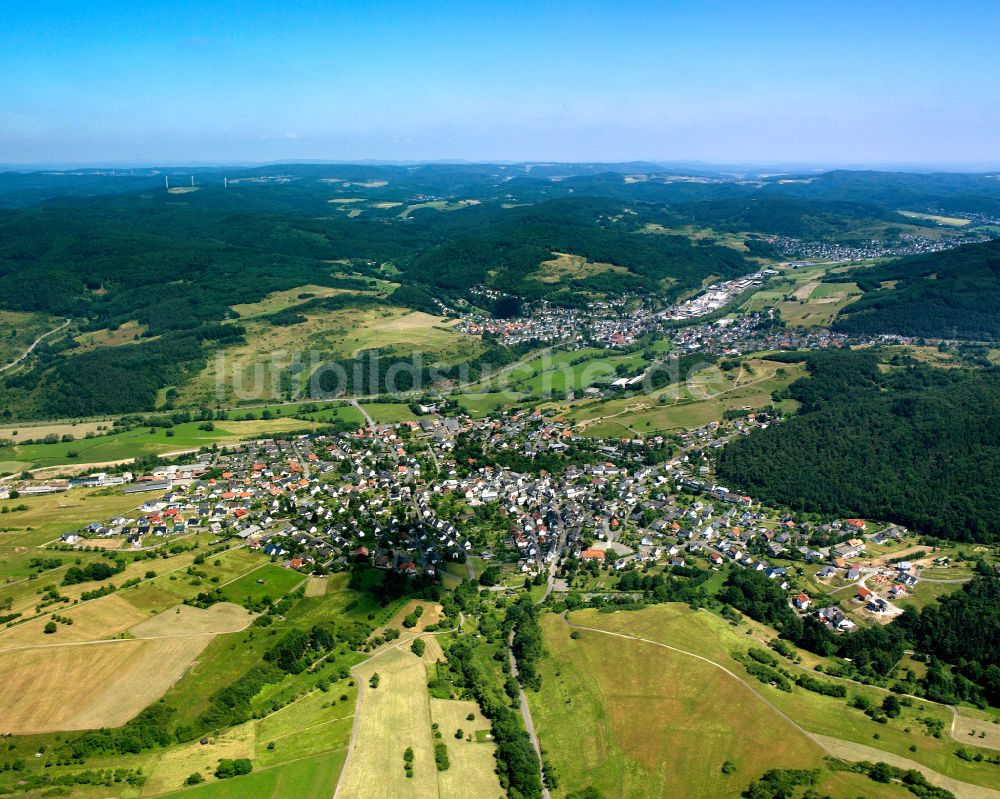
column 750, row 82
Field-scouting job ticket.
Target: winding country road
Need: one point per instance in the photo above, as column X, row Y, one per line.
column 34, row 344
column 529, row 725
column 363, row 412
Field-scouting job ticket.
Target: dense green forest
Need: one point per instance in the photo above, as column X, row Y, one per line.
column 953, row 294
column 942, row 191
column 963, row 629
column 602, row 231
column 177, row 263
column 105, row 248
column 912, row 444
column 785, row 216
column 111, row 379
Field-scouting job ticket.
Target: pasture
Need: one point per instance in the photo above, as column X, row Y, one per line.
column 802, row 299
column 636, row 720
column 431, row 615
column 124, row 446
column 564, row 266
column 856, row 752
column 436, row 205
column 479, row 405
column 177, row 763
column 310, row 777
column 381, row 412
column 282, row 300
column 231, row 655
column 253, row 369
column 709, row 636
column 266, row 581
column 561, row 371
column 693, row 403
column 20, row 329
column 48, row 516
column 125, row 333
column 318, row 722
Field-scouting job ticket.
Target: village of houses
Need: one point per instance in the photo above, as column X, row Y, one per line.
column 395, row 495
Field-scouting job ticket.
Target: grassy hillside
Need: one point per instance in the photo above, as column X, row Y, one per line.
column 636, row 720
column 825, row 721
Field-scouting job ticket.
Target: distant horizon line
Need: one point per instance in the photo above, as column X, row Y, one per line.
column 717, row 166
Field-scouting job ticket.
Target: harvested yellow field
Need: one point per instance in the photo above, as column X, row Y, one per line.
column 432, row 650
column 34, row 432
column 222, row 617
column 804, row 291
column 91, row 685
column 951, row 221
column 472, row 770
column 316, row 586
column 177, row 763
column 431, row 615
column 92, row 621
column 392, row 717
column 977, row 726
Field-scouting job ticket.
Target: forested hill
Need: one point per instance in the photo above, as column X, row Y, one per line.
column 176, row 263
column 786, row 216
column 107, row 250
column 506, row 254
column 913, row 445
column 953, row 294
